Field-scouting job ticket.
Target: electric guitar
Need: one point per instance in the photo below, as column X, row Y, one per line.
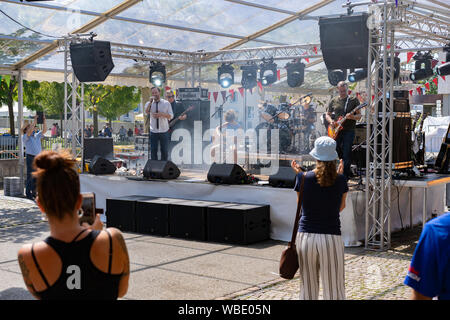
column 333, row 131
column 175, row 120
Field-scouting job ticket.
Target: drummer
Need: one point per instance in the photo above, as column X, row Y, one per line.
column 268, row 113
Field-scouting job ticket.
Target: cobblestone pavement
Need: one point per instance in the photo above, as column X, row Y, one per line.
column 369, row 275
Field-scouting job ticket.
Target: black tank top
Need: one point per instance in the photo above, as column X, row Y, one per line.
column 79, row 279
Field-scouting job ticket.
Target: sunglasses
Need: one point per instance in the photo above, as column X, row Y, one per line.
column 170, row 96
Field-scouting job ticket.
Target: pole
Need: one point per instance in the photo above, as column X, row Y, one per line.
column 19, row 125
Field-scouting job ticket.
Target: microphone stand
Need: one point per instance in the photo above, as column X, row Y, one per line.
column 220, row 111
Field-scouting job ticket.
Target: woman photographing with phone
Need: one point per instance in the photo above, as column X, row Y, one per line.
column 320, row 248
column 75, row 261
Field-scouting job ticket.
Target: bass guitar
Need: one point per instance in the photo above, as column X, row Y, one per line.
column 333, row 131
column 175, row 120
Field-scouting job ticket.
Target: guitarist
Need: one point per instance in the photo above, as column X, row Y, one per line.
column 339, row 106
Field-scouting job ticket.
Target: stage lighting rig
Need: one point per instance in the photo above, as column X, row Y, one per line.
column 225, row 75
column 335, row 76
column 423, row 66
column 267, row 72
column 157, row 74
column 357, row 75
column 249, row 74
column 444, row 69
column 295, row 73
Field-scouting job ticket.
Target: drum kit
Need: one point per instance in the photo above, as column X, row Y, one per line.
column 295, row 125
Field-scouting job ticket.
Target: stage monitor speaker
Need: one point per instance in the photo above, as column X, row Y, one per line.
column 91, row 61
column 344, row 41
column 152, row 216
column 238, row 223
column 103, row 147
column 187, row 219
column 226, row 173
column 284, row 178
column 121, row 212
column 161, row 169
column 360, row 133
column 99, row 165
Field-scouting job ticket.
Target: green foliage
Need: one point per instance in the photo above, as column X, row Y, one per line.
column 32, row 97
column 52, row 98
column 120, row 101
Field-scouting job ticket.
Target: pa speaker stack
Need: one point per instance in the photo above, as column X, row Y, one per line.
column 99, row 165
column 91, row 61
column 344, row 41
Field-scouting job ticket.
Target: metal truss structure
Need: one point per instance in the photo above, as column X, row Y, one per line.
column 402, row 27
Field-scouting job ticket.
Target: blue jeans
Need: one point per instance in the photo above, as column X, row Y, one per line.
column 163, row 139
column 30, row 189
column 344, row 144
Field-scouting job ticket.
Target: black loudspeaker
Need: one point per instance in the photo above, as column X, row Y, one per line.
column 344, row 41
column 201, row 111
column 400, row 105
column 238, row 223
column 187, row 219
column 161, row 169
column 152, row 216
column 99, row 165
column 360, row 133
column 91, row 61
column 121, row 212
column 226, row 173
column 284, row 178
column 401, row 94
column 103, row 147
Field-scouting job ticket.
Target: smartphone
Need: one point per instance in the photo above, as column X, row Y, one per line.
column 88, row 207
column 40, row 117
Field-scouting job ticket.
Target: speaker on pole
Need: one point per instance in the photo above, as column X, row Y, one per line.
column 161, row 169
column 344, row 41
column 91, row 61
column 226, row 173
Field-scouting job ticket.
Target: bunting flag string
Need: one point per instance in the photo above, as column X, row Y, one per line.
column 260, row 85
column 232, row 93
column 224, row 95
column 278, row 74
column 427, row 85
column 315, row 50
column 419, row 90
column 209, row 95
column 410, row 92
column 215, row 94
column 435, row 80
column 241, row 91
column 409, row 55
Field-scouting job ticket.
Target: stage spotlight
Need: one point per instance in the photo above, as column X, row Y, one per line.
column 249, row 74
column 267, row 72
column 357, row 75
column 334, row 76
column 157, row 74
column 444, row 69
column 225, row 75
column 295, row 73
column 423, row 68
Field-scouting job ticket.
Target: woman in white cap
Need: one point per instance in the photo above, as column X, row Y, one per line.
column 319, row 244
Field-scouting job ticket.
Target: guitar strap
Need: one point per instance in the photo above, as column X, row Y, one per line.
column 345, row 107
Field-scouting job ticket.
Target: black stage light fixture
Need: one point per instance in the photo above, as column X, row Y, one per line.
column 334, row 76
column 357, row 75
column 444, row 69
column 225, row 75
column 396, row 68
column 249, row 74
column 423, row 67
column 157, row 74
column 295, row 73
column 267, row 72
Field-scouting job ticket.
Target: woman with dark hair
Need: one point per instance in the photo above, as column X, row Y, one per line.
column 75, row 261
column 319, row 244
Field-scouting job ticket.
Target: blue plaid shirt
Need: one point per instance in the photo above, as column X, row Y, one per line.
column 32, row 143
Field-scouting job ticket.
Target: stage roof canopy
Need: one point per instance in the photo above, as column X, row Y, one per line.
column 185, row 25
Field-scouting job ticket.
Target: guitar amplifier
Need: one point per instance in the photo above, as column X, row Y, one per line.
column 192, row 94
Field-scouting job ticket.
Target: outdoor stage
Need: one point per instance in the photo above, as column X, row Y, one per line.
column 192, row 185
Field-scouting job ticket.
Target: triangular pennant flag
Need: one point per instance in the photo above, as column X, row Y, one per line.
column 260, row 85
column 224, row 95
column 410, row 92
column 443, row 77
column 215, row 94
column 427, row 85
column 232, row 93
column 419, row 90
column 167, row 88
column 373, row 97
column 241, row 90
column 315, row 50
column 409, row 55
column 278, row 74
column 209, row 95
column 435, row 80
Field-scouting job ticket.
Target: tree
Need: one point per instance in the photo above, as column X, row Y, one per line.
column 120, row 101
column 53, row 99
column 32, row 97
column 93, row 95
column 8, row 94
